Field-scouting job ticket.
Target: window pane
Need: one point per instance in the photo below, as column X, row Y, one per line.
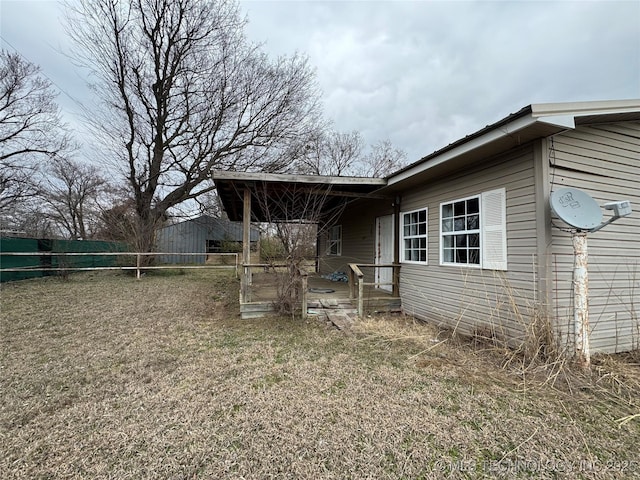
column 406, row 219
column 461, row 240
column 422, row 229
column 447, row 211
column 459, row 208
column 459, row 224
column 461, row 256
column 423, row 255
column 422, row 216
column 474, row 256
column 473, row 206
column 447, row 225
column 447, row 241
column 474, row 239
column 447, row 255
column 406, row 230
column 473, row 222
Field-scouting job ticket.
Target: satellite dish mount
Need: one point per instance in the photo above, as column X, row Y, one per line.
column 578, row 209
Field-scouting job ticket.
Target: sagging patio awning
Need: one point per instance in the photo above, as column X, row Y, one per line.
column 289, row 197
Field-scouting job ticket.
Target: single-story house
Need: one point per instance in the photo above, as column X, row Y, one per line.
column 479, row 248
column 204, row 234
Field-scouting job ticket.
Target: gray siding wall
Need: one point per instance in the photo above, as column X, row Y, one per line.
column 604, row 161
column 185, row 237
column 472, row 299
column 358, row 237
column 191, row 237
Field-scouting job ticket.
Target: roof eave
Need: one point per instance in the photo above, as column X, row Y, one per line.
column 533, row 121
column 295, row 178
column 495, row 134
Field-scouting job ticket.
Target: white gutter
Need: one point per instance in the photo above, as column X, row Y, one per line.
column 578, row 109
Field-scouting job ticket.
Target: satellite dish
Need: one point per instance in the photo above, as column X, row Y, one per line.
column 576, row 208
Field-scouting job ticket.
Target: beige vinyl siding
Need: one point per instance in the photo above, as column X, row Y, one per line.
column 358, row 235
column 469, row 298
column 604, row 161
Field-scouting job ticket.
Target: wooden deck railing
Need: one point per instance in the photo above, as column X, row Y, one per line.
column 357, row 283
column 246, row 281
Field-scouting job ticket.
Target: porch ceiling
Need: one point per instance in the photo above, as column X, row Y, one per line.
column 286, row 197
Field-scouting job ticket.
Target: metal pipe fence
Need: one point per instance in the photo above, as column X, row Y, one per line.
column 138, row 267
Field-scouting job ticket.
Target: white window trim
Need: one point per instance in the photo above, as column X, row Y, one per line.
column 337, row 242
column 453, row 264
column 426, row 236
column 493, row 254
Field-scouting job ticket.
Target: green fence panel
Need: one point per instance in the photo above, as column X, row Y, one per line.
column 11, row 244
column 87, row 246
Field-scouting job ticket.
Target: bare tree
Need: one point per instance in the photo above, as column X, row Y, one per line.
column 382, row 160
column 118, row 221
column 74, row 195
column 183, row 92
column 294, row 218
column 329, row 153
column 343, row 154
column 31, row 130
column 27, row 218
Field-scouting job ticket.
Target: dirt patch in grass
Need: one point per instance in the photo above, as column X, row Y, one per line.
column 104, row 376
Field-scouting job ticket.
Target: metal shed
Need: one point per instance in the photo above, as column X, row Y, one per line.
column 204, row 234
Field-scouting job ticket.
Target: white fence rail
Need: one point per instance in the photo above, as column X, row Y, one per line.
column 139, row 267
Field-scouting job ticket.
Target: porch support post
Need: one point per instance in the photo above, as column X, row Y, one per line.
column 360, row 296
column 305, row 287
column 396, row 247
column 246, row 246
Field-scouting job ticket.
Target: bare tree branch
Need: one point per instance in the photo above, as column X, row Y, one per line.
column 31, row 131
column 184, row 92
column 71, row 194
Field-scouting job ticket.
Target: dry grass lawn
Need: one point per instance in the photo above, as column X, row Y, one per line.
column 103, row 376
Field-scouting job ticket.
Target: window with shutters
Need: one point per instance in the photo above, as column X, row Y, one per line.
column 473, row 231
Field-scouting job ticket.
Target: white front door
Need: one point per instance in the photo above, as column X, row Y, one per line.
column 384, row 251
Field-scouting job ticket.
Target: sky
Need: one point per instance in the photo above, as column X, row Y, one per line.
column 421, row 74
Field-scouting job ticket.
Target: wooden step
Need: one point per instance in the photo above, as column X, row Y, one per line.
column 342, row 321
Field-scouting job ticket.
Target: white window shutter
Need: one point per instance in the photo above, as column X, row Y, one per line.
column 494, row 229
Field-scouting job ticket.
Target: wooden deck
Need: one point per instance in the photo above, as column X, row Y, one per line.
column 324, row 296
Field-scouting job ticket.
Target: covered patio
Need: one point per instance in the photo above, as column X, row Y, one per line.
column 304, row 199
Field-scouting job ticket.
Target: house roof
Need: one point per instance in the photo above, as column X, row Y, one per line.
column 531, row 122
column 281, row 197
column 289, row 197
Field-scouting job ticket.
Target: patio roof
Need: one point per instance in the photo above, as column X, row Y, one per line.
column 288, row 197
